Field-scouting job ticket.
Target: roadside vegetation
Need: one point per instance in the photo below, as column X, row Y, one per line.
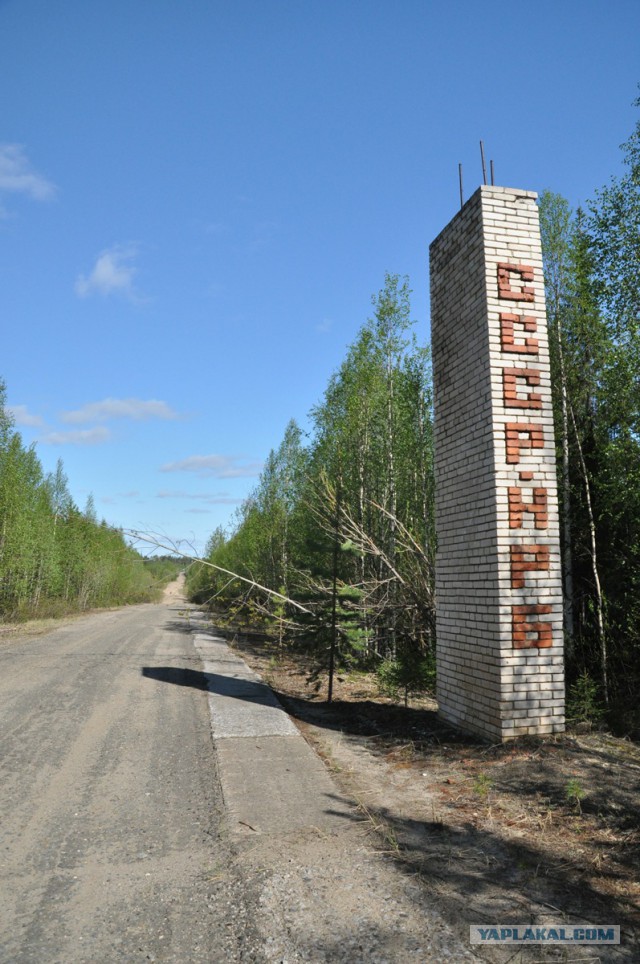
column 332, row 554
column 55, row 558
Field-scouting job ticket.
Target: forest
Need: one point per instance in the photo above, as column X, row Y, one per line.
column 333, row 552
column 54, row 558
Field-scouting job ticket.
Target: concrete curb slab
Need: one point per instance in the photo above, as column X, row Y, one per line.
column 272, row 780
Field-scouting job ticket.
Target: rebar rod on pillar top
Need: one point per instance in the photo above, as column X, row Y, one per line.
column 484, row 166
column 493, row 180
column 461, row 188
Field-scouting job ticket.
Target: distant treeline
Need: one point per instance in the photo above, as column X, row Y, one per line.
column 55, row 558
column 341, row 524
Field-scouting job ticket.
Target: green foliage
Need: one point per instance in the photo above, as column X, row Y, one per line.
column 574, row 794
column 592, row 268
column 315, row 628
column 482, row 785
column 584, row 704
column 408, row 673
column 277, row 622
column 347, row 515
column 351, row 508
column 373, row 433
column 54, row 558
column 164, row 569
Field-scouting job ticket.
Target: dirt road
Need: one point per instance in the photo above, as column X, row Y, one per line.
column 109, row 846
column 154, row 807
column 116, row 844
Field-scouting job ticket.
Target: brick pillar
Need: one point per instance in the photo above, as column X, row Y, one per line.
column 498, row 582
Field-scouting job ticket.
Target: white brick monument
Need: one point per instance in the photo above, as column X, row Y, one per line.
column 498, row 583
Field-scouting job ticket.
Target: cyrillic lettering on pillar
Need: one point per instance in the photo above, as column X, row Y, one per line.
column 537, row 508
column 530, row 634
column 527, row 559
column 524, row 272
column 521, row 436
column 508, row 341
column 510, row 378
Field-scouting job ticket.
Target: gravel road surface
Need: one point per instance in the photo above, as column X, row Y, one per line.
column 109, row 845
column 145, row 816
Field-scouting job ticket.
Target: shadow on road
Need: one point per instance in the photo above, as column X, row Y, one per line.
column 177, row 676
column 179, row 625
column 253, row 691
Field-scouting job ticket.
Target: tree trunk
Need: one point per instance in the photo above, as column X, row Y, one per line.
column 334, row 596
column 567, row 556
column 602, row 638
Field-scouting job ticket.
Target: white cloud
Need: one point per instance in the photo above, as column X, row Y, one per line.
column 23, row 417
column 89, row 436
column 18, row 177
column 108, row 408
column 113, row 273
column 325, row 326
column 115, row 499
column 216, row 498
column 216, row 466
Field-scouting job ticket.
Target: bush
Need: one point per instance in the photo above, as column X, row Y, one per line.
column 407, row 674
column 583, row 702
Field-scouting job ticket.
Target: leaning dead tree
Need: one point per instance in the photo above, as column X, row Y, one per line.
column 396, row 587
column 160, row 541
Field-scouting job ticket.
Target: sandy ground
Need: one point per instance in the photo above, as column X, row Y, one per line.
column 114, row 839
column 489, row 832
column 173, row 593
column 109, row 840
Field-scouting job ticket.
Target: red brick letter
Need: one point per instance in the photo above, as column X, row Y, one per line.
column 537, row 508
column 511, row 398
column 521, row 565
column 505, row 291
column 523, row 628
column 514, row 431
column 507, row 334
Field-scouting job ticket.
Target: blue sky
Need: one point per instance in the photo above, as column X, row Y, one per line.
column 198, row 199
